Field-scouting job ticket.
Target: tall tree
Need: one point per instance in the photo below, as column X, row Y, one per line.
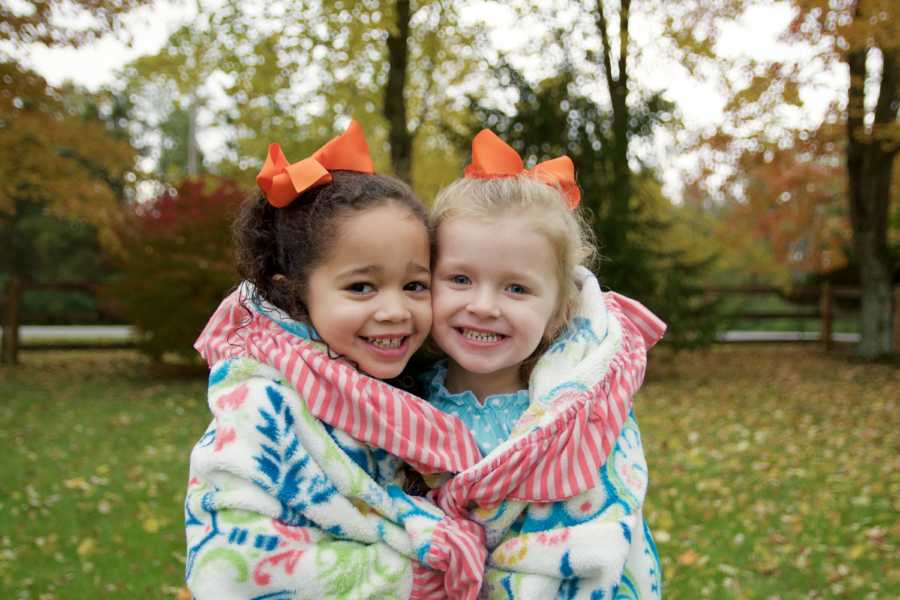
column 617, row 87
column 857, row 30
column 595, row 40
column 171, row 94
column 399, row 135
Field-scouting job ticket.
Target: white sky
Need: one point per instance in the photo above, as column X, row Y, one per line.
column 700, row 105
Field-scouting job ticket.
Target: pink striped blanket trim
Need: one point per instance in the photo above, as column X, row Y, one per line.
column 458, row 549
column 368, row 409
column 427, row 583
column 563, row 458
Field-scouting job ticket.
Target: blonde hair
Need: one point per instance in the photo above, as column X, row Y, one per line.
column 566, row 230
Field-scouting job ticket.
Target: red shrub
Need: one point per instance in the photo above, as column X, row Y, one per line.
column 178, row 263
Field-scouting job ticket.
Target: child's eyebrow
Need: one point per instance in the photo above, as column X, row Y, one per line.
column 365, row 270
column 375, row 270
column 418, row 268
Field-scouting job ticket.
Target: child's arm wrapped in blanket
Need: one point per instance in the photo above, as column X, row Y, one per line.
column 278, row 502
column 594, row 542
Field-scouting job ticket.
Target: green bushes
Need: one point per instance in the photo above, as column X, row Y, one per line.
column 177, row 263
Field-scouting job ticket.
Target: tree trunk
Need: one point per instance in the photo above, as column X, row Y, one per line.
column 394, row 93
column 9, row 352
column 617, row 219
column 869, row 168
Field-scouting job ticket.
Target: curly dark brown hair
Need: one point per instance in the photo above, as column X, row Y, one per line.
column 292, row 241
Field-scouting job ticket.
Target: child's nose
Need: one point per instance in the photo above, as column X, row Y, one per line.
column 484, row 305
column 393, row 308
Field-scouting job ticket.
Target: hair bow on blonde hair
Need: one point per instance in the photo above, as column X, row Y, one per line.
column 281, row 181
column 493, row 158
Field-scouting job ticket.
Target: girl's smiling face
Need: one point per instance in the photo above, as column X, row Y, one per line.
column 370, row 300
column 495, row 289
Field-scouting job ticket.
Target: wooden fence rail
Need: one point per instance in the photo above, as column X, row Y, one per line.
column 823, row 295
column 12, row 317
column 825, row 312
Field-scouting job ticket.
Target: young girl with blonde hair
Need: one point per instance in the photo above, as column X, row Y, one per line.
column 541, row 366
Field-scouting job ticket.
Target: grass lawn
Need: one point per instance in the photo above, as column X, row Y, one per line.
column 775, row 472
column 93, row 476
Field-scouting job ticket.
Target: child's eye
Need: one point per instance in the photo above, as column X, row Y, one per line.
column 416, row 286
column 515, row 288
column 460, row 280
column 360, row 288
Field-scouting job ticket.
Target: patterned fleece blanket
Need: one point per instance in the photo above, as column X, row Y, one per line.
column 292, row 490
column 561, row 499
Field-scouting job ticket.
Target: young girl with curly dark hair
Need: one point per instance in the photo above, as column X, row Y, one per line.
column 293, row 490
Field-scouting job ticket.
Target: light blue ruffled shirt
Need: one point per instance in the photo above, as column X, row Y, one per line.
column 490, row 423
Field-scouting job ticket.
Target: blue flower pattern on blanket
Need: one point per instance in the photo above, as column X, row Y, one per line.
column 290, row 474
column 580, row 330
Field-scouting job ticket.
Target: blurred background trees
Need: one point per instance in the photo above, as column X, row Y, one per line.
column 857, row 141
column 770, row 196
column 64, row 161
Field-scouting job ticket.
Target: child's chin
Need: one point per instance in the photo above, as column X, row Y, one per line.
column 383, row 371
column 475, row 364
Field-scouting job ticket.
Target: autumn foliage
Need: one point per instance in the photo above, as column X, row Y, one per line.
column 178, row 263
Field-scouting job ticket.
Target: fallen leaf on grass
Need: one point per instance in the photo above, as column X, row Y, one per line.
column 766, row 563
column 838, row 574
column 727, row 569
column 151, row 525
column 77, row 483
column 876, row 535
column 687, row 558
column 86, row 547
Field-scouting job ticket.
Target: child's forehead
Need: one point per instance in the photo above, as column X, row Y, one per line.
column 512, row 241
column 387, row 215
column 386, row 234
column 493, row 230
column 499, row 218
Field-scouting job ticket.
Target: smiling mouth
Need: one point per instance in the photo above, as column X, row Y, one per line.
column 386, row 342
column 481, row 337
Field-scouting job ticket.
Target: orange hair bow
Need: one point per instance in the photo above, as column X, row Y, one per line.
column 281, row 182
column 493, row 158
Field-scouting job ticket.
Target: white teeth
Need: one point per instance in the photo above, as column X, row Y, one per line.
column 386, row 342
column 480, row 336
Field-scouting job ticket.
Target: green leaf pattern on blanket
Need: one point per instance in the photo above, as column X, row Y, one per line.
column 233, row 557
column 351, row 572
